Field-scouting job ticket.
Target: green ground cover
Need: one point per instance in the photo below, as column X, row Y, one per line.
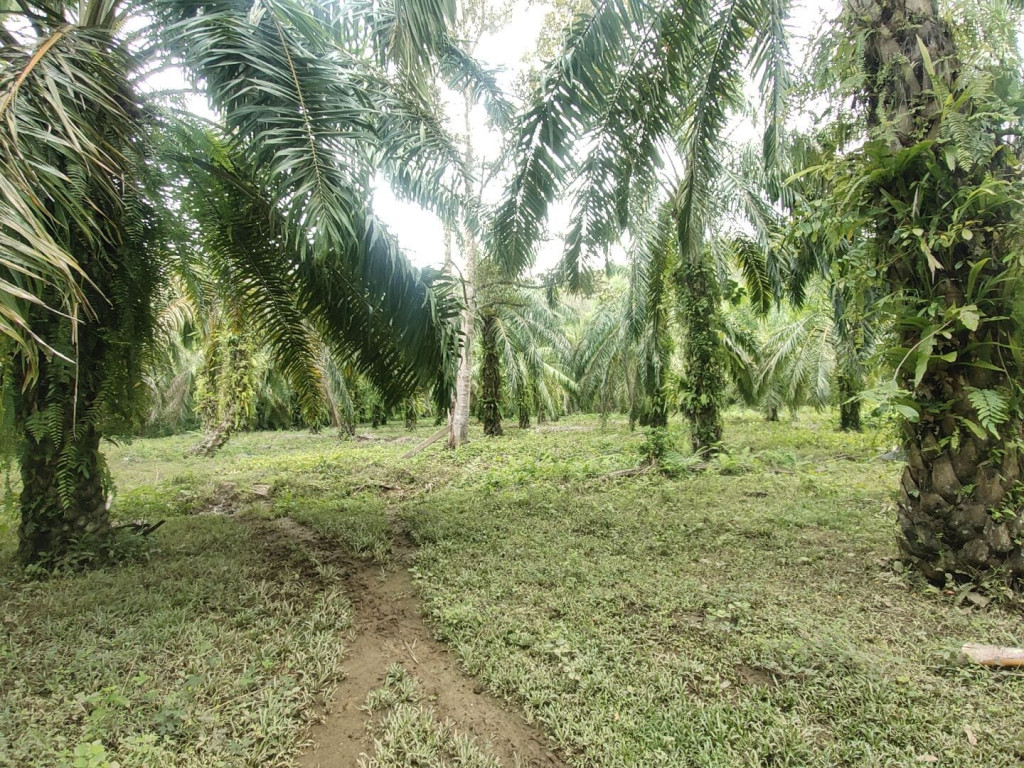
column 748, row 615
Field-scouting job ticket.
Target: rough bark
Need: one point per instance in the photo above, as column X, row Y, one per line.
column 959, row 505
column 524, row 415
column 64, row 490
column 490, row 377
column 65, row 486
column 92, row 389
column 214, row 439
column 656, row 414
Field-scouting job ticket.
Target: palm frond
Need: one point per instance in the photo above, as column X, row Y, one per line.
column 572, row 94
column 61, row 169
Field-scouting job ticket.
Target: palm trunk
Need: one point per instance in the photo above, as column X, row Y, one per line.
column 227, row 392
column 490, row 377
column 703, row 375
column 63, row 504
column 523, row 409
column 658, row 414
column 959, row 506
column 64, row 480
column 849, row 404
column 215, row 438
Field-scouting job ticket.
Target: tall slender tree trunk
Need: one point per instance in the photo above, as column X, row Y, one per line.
column 704, row 378
column 960, row 495
column 490, row 377
column 458, row 419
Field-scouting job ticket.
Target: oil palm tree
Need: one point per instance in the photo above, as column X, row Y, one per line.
column 932, row 186
column 636, row 88
column 618, row 363
column 530, row 346
column 90, row 168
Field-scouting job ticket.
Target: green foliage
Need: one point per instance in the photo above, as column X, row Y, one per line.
column 225, row 387
column 634, row 85
column 534, row 350
column 210, row 653
column 656, row 446
column 942, row 217
column 641, row 597
column 408, row 729
column 703, row 381
column 279, row 206
column 992, row 408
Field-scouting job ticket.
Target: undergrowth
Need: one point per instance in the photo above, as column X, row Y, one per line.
column 748, row 612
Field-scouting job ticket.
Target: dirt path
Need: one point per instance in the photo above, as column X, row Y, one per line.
column 388, row 628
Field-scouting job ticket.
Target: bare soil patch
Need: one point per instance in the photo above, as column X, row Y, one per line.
column 388, row 628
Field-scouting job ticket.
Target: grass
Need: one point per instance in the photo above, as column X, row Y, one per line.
column 212, row 653
column 750, row 615
column 407, row 732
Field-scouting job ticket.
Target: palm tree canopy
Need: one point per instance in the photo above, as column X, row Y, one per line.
column 311, row 114
column 636, row 86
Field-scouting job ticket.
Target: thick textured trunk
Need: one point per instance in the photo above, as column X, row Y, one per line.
column 63, row 408
column 849, row 404
column 411, row 417
column 704, row 379
column 772, row 413
column 380, row 416
column 226, row 393
column 214, row 439
column 490, row 377
column 63, row 505
column 960, row 495
column 849, row 416
column 64, row 481
column 658, row 414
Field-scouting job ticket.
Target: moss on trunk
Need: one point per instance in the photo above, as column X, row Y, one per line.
column 490, row 377
column 703, row 376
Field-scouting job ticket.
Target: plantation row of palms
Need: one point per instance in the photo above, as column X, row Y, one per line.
column 534, row 361
column 160, row 267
